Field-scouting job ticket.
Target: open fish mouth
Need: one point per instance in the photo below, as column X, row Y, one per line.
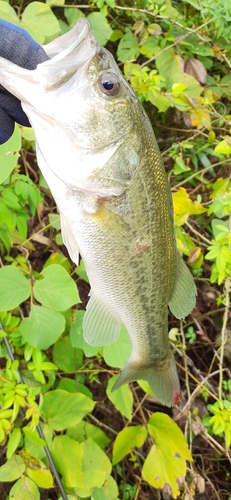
column 68, row 53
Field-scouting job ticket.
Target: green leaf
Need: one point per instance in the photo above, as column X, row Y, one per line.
column 43, row 327
column 118, row 353
column 122, row 398
column 128, row 48
column 96, row 467
column 55, row 2
column 12, row 469
column 68, row 457
column 14, row 440
column 14, row 288
column 66, row 357
column 166, row 462
column 223, row 148
column 8, row 13
column 178, row 88
column 84, row 430
column 39, row 20
column 72, row 15
column 33, row 436
column 42, row 477
column 63, row 409
column 24, row 489
column 76, row 335
column 100, row 27
column 57, row 289
column 9, row 151
column 37, row 451
column 128, row 438
column 109, row 491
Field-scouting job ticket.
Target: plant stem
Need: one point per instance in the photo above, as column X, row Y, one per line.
column 224, row 334
column 202, row 172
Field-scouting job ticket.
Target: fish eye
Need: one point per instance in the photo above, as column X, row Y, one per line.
column 109, row 84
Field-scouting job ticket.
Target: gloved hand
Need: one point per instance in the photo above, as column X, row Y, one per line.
column 17, row 46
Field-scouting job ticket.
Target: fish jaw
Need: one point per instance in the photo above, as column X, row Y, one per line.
column 162, row 378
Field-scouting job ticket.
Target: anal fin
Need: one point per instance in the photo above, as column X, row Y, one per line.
column 99, row 326
column 183, row 297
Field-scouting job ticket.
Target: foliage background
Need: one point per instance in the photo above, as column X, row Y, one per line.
column 176, row 56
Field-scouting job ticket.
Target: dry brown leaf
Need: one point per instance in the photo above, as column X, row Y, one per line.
column 195, row 68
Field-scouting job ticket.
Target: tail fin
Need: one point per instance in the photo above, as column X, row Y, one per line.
column 163, row 379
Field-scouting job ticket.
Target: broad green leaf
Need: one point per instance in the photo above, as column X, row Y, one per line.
column 9, row 151
column 169, row 66
column 39, row 20
column 54, row 220
column 33, row 436
column 55, row 2
column 68, row 458
column 96, row 467
column 118, row 353
column 84, row 430
column 177, row 88
column 128, row 48
column 122, row 398
column 72, row 15
column 180, row 166
column 8, row 14
column 57, row 289
column 100, row 27
column 24, row 489
column 76, row 335
column 218, row 226
column 224, row 148
column 166, row 462
column 71, row 385
column 14, row 288
column 109, row 491
column 66, row 357
column 43, row 327
column 128, row 438
column 150, row 48
column 35, row 450
column 63, row 409
column 42, row 477
column 14, row 440
column 12, row 469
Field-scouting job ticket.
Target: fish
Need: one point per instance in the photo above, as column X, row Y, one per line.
column 96, row 148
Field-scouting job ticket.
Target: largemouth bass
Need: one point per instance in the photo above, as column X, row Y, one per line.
column 97, row 151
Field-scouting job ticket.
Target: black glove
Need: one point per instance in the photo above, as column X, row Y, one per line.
column 17, row 46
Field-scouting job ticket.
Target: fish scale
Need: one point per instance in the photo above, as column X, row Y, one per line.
column 98, row 153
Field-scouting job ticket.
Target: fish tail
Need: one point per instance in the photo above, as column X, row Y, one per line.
column 162, row 378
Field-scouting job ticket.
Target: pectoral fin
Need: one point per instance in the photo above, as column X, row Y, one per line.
column 183, row 298
column 99, row 326
column 69, row 240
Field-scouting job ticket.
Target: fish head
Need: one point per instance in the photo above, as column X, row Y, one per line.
column 79, row 105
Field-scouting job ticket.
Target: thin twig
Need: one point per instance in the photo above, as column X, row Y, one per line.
column 197, row 233
column 202, row 172
column 224, row 335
